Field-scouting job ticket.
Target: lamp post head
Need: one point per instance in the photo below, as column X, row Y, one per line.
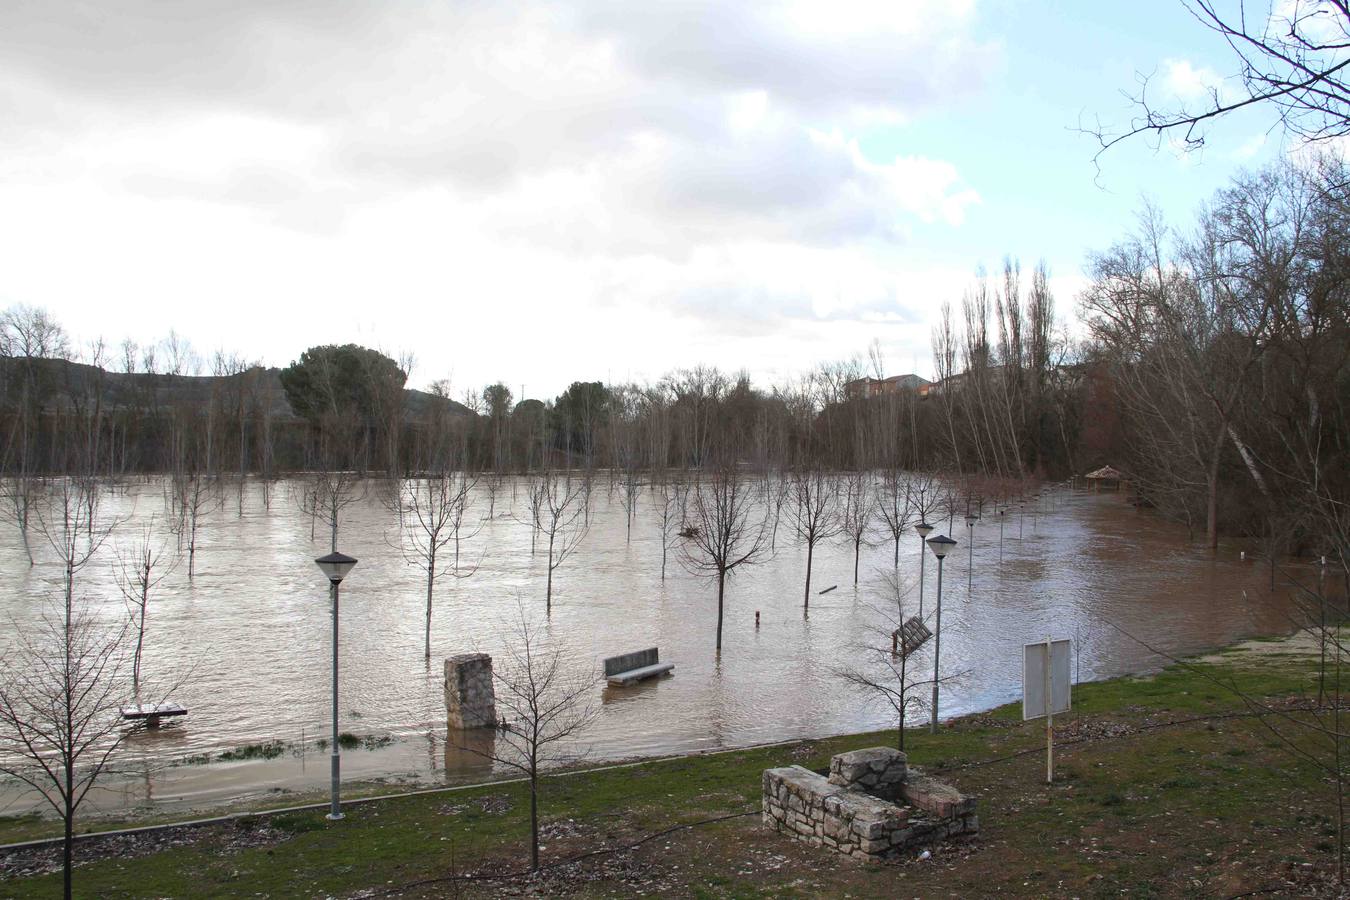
column 335, row 566
column 971, row 519
column 941, row 545
column 924, row 529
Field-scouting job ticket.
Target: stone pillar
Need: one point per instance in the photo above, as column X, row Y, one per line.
column 469, row 698
column 879, row 771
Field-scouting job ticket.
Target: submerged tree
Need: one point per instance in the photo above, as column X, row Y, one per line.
column 329, row 493
column 721, row 533
column 670, row 506
column 432, row 514
column 816, row 514
column 895, row 507
column 855, row 519
column 561, row 516
column 139, row 571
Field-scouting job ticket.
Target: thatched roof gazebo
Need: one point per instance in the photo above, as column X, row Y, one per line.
column 1107, row 478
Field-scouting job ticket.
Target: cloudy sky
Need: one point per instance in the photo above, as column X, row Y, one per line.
column 543, row 192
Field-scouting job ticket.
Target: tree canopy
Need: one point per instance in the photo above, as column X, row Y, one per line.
column 341, row 381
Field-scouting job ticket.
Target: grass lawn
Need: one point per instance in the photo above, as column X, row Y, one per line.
column 1165, row 787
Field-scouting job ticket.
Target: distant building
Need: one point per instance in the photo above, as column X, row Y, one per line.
column 863, row 388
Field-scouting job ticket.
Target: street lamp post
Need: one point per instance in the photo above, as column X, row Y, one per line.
column 941, row 546
column 924, row 530
column 335, row 566
column 1002, row 511
column 971, row 519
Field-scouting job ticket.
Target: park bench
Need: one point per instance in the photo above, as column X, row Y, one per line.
column 631, row 667
column 153, row 712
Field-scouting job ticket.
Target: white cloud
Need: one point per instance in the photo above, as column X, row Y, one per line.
column 426, row 171
column 1249, row 148
column 1189, row 83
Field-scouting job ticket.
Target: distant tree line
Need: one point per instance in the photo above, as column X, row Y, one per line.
column 1213, row 374
column 1226, row 347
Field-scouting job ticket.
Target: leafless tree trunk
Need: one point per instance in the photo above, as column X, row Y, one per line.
column 816, row 515
column 61, row 683
column 561, row 519
column 544, row 707
column 720, row 533
column 895, row 506
column 139, row 571
column 860, row 507
column 329, row 494
column 670, row 509
column 880, row 667
column 432, row 513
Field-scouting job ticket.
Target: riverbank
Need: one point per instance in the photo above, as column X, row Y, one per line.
column 1166, row 785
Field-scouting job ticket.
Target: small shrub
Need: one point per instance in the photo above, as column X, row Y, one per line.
column 269, row 750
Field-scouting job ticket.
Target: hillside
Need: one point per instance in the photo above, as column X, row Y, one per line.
column 69, row 385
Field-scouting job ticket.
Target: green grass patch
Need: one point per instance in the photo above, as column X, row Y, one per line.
column 267, row 750
column 1156, row 813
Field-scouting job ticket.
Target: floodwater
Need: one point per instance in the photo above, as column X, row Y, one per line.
column 249, row 635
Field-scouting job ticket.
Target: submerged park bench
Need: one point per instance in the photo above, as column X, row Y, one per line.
column 631, row 667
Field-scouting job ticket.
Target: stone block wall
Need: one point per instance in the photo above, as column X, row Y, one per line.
column 872, row 806
column 470, row 701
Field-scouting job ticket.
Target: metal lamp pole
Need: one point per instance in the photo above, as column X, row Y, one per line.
column 335, row 566
column 971, row 519
column 941, row 546
column 924, row 530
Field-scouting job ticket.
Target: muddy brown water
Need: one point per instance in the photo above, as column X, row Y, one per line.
column 248, row 636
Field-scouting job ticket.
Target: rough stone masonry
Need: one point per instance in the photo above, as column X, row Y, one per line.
column 469, row 698
column 872, row 806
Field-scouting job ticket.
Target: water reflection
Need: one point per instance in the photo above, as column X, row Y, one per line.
column 251, row 631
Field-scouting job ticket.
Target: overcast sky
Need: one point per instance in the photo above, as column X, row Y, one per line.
column 544, row 192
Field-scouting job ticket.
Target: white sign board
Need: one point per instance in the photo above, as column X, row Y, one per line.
column 1034, row 679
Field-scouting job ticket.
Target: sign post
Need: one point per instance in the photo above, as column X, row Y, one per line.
column 1046, row 690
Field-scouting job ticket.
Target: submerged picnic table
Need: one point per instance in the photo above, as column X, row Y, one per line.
column 153, row 712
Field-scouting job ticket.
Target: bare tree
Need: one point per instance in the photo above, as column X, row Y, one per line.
column 632, row 486
column 855, row 519
column 21, row 492
column 140, row 569
column 544, row 707
column 61, row 685
column 193, row 495
column 535, row 495
column 29, row 336
column 815, row 513
column 881, row 669
column 61, row 682
column 719, row 533
column 432, row 515
column 560, row 516
column 1289, row 57
column 330, row 492
column 895, row 507
column 670, row 506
